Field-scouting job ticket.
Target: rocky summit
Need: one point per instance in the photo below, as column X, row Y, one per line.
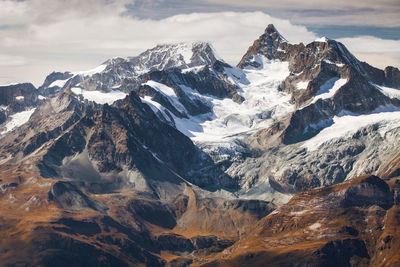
column 176, row 158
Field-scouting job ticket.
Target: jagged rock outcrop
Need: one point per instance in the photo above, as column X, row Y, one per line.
column 392, row 77
column 267, row 45
column 54, row 82
column 19, row 96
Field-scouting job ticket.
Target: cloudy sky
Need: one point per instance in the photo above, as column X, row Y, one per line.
column 40, row 36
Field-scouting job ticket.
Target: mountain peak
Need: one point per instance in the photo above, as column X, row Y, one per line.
column 179, row 55
column 270, row 28
column 267, row 45
column 273, row 32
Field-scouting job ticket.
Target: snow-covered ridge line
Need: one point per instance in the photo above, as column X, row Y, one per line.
column 59, row 83
column 176, row 55
column 389, row 92
column 263, row 103
column 8, row 84
column 302, row 85
column 323, row 39
column 99, row 97
column 346, row 124
column 98, row 69
column 169, row 93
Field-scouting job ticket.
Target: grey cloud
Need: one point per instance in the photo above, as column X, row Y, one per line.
column 319, row 4
column 338, row 31
column 311, row 12
column 164, row 9
column 331, row 12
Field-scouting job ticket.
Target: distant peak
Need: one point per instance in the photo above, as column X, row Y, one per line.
column 270, row 28
column 268, row 45
column 186, row 45
column 200, row 43
column 273, row 32
column 322, row 39
column 114, row 60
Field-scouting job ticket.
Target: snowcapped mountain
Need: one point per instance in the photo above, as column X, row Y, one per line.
column 17, row 103
column 146, row 159
column 113, row 72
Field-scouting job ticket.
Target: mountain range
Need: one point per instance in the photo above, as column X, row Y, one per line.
column 176, row 158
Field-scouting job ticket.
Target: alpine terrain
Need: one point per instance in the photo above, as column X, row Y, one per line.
column 176, row 158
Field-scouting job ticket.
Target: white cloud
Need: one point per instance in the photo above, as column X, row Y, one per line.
column 370, row 44
column 375, row 51
column 9, row 60
column 75, row 35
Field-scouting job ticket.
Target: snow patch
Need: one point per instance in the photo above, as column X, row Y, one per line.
column 92, row 71
column 236, row 75
column 40, row 97
column 315, row 226
column 8, row 84
column 298, row 213
column 346, row 124
column 186, row 51
column 322, row 40
column 333, row 63
column 389, row 92
column 17, row 120
column 169, row 93
column 99, row 97
column 20, row 98
column 302, row 85
column 329, row 88
column 195, row 69
column 156, row 107
column 59, row 83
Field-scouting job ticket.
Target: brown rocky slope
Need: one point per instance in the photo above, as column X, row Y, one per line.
column 349, row 224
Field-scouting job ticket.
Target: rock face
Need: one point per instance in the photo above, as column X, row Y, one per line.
column 392, row 77
column 54, row 83
column 19, row 96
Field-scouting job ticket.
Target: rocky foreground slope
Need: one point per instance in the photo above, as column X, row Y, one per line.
column 176, row 158
column 348, row 224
